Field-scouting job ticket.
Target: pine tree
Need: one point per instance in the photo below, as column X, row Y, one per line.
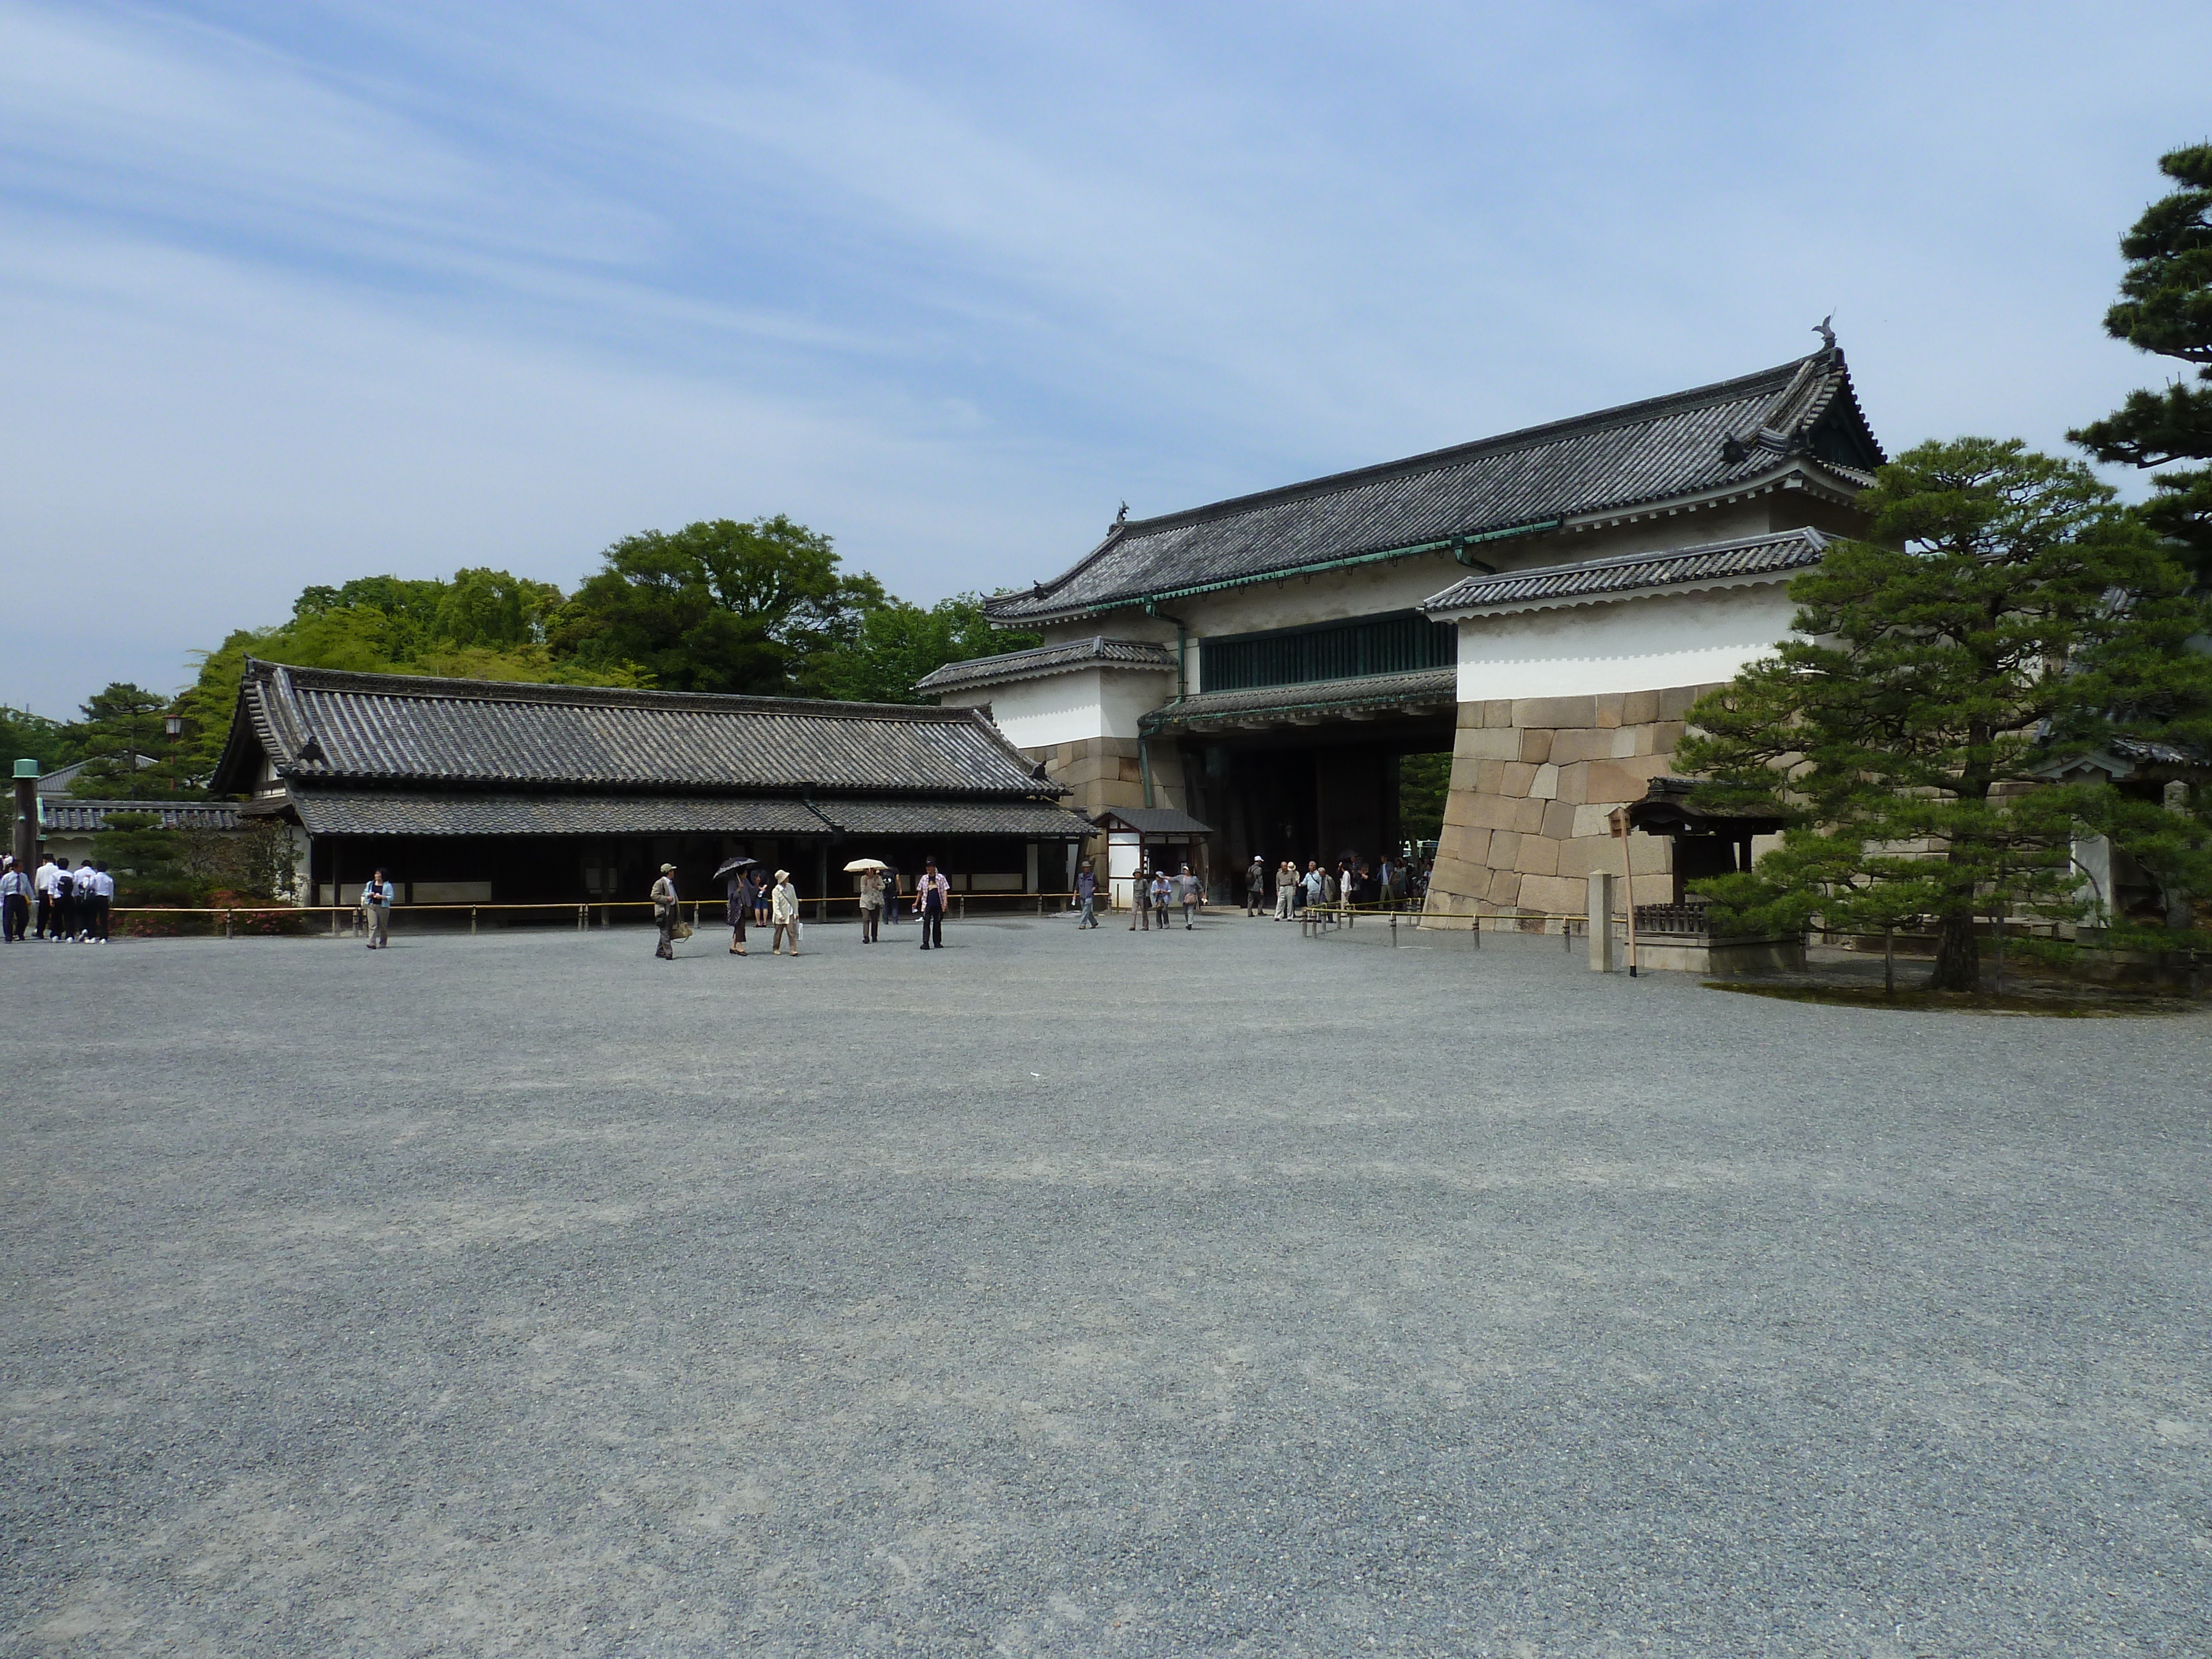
column 2166, row 308
column 2004, row 608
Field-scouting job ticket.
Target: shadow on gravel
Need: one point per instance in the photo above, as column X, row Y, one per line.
column 2056, row 1002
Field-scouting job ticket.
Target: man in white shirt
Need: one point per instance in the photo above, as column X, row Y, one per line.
column 43, row 884
column 101, row 903
column 14, row 901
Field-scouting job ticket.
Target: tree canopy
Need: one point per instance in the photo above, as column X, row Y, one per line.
column 2166, row 308
column 763, row 607
column 2006, row 612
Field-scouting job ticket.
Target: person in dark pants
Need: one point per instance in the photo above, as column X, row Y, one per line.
column 664, row 913
column 930, row 894
column 64, row 916
column 102, row 901
column 42, row 887
column 14, row 901
column 1256, row 886
column 739, row 893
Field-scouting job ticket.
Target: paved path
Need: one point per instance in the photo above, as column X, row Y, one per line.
column 1059, row 1293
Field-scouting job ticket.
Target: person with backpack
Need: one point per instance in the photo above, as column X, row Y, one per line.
column 664, row 913
column 64, row 901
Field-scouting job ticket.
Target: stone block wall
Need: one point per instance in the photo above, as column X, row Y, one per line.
column 1103, row 772
column 1534, row 781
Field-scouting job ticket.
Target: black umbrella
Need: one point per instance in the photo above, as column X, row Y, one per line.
column 733, row 866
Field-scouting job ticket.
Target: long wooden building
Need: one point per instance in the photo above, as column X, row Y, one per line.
column 485, row 791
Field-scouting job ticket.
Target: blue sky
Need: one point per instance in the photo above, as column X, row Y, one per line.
column 291, row 294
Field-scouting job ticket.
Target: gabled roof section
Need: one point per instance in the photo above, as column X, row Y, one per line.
column 73, row 815
column 321, row 728
column 1737, row 435
column 1711, row 564
column 1096, row 652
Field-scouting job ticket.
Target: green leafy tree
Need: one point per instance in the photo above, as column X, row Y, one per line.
column 121, row 723
column 717, row 606
column 2009, row 612
column 895, row 643
column 2166, row 308
column 26, row 736
column 1424, row 784
column 484, row 624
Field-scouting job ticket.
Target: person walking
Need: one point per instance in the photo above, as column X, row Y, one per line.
column 739, row 895
column 783, row 905
column 1287, row 888
column 665, row 911
column 1162, row 892
column 931, row 890
column 376, row 896
column 1086, row 895
column 872, row 905
column 1316, row 885
column 891, row 896
column 1256, row 886
column 15, row 902
column 42, row 887
column 1140, row 899
column 1188, row 892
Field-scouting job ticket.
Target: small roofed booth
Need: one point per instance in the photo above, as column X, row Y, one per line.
column 1150, row 837
column 488, row 793
column 1708, row 839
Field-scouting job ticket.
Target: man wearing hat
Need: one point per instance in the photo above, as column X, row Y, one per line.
column 929, row 897
column 783, row 906
column 664, row 912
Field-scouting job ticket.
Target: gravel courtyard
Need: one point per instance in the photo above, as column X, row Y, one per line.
column 1085, row 1293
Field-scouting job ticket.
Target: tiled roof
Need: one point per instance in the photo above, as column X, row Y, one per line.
column 397, row 812
column 57, row 781
column 1154, row 821
column 73, row 817
column 1424, row 685
column 1746, row 434
column 1096, row 652
column 318, row 726
column 1741, row 560
column 1031, row 820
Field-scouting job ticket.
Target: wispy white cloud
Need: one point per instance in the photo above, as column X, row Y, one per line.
column 290, row 292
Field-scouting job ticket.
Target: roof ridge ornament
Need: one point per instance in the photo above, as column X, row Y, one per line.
column 1826, row 334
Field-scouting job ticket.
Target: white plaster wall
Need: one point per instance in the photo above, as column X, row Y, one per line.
column 1627, row 645
column 1087, row 702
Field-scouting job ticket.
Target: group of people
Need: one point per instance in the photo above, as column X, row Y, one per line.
column 754, row 901
column 56, row 903
column 1153, row 896
column 1398, row 884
